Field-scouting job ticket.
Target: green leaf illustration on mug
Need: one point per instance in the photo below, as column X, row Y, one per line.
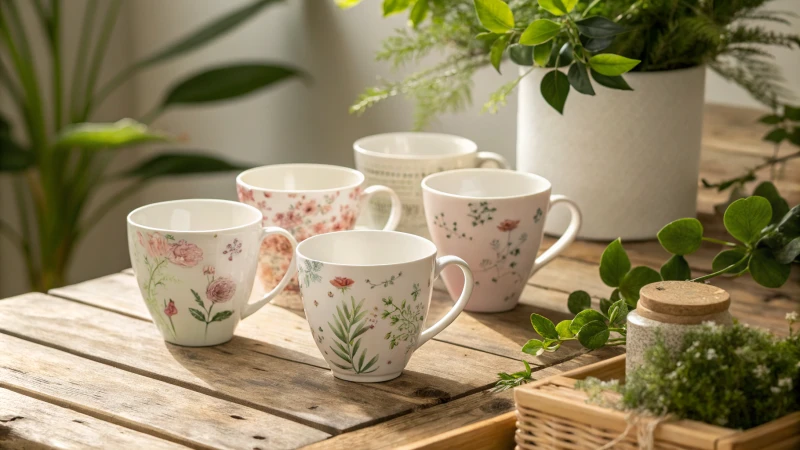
column 406, row 319
column 349, row 324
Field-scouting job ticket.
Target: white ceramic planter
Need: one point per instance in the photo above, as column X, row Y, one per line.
column 630, row 160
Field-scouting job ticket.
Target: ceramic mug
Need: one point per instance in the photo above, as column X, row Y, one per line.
column 306, row 200
column 493, row 219
column 195, row 263
column 402, row 160
column 367, row 294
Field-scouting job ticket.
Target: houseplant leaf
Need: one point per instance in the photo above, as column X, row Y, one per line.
column 578, row 301
column 496, row 54
column 612, row 65
column 418, row 12
column 767, row 271
column 541, row 54
column 584, row 317
column 727, row 258
column 617, row 82
column 495, row 15
column 558, row 7
column 676, row 269
column 681, row 237
column 539, row 32
column 594, row 334
column 394, row 6
column 779, row 205
column 12, row 157
column 227, row 82
column 614, row 264
column 579, row 79
column 544, row 326
column 521, row 54
column 172, row 164
column 598, row 27
column 555, row 88
column 635, row 280
column 745, row 218
column 123, row 133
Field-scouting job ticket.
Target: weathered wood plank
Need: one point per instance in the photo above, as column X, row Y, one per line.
column 140, row 403
column 735, row 129
column 439, row 419
column 27, row 423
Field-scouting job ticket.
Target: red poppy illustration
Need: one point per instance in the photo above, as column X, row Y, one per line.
column 342, row 283
column 508, row 225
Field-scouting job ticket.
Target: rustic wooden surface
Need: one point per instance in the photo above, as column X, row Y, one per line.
column 83, row 367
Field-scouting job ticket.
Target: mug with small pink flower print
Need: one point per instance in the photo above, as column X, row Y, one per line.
column 306, row 200
column 494, row 219
column 195, row 263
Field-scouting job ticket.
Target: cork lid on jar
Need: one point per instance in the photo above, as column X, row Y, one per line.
column 682, row 301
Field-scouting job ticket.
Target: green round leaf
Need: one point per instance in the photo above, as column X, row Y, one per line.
column 776, row 136
column 594, row 335
column 789, row 252
column 541, row 54
column 605, row 304
column 727, row 258
column 418, row 12
column 584, row 317
column 779, row 205
column 563, row 329
column 558, row 7
column 539, row 32
column 544, row 326
column 614, row 295
column 533, row 347
column 521, row 54
column 770, row 119
column 618, row 82
column 745, row 218
column 578, row 301
column 599, row 27
column 618, row 312
column 612, row 65
column 676, row 269
column 614, row 264
column 635, row 280
column 681, row 237
column 767, row 271
column 555, row 88
column 792, row 112
column 494, row 15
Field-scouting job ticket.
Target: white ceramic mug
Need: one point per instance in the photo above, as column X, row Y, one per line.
column 402, row 160
column 367, row 294
column 306, row 200
column 494, row 219
column 195, row 263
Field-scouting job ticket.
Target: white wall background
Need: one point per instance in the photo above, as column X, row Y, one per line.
column 293, row 122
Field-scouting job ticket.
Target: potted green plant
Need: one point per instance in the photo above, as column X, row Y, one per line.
column 58, row 164
column 636, row 137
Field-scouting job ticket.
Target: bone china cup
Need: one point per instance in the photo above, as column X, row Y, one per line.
column 195, row 263
column 494, row 219
column 402, row 160
column 366, row 295
column 306, row 200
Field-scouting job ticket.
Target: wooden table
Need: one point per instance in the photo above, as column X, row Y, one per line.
column 83, row 367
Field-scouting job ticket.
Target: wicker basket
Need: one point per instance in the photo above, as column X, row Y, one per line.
column 551, row 414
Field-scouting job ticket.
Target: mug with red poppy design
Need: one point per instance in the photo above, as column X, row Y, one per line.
column 494, row 220
column 306, row 200
column 367, row 294
column 195, row 263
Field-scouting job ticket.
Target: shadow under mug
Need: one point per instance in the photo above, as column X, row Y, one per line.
column 195, row 264
column 493, row 219
column 367, row 295
column 401, row 160
column 305, row 200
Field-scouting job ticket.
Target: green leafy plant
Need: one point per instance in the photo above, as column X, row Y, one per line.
column 348, row 326
column 60, row 163
column 737, row 377
column 594, row 41
column 767, row 236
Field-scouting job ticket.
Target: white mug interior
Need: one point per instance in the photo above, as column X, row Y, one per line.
column 415, row 145
column 485, row 183
column 195, row 215
column 366, row 248
column 300, row 177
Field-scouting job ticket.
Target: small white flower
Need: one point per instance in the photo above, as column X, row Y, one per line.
column 672, row 375
column 791, row 316
column 775, row 389
column 697, row 355
column 711, row 354
column 721, row 421
column 760, row 371
column 709, row 323
column 785, row 382
column 740, row 350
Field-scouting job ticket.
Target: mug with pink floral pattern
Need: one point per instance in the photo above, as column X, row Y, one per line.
column 195, row 263
column 494, row 219
column 306, row 200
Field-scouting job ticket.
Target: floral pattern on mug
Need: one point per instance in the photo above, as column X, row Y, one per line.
column 342, row 283
column 506, row 250
column 219, row 290
column 160, row 251
column 406, row 319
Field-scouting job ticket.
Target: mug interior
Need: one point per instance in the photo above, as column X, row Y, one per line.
column 300, row 177
column 195, row 215
column 366, row 248
column 485, row 183
column 417, row 145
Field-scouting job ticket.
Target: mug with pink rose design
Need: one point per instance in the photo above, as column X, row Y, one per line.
column 306, row 200
column 195, row 263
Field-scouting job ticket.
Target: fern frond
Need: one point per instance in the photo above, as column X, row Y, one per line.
column 757, row 35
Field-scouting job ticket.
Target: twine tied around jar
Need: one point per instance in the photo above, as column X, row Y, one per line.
column 645, row 434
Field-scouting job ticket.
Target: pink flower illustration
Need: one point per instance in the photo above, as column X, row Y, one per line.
column 209, row 270
column 170, row 310
column 185, row 254
column 245, row 194
column 141, row 239
column 221, row 290
column 157, row 245
column 508, row 225
column 309, row 207
column 342, row 283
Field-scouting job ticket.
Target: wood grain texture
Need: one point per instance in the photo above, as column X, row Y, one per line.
column 140, row 403
column 28, row 424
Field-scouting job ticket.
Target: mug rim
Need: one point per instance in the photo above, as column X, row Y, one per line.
column 253, row 209
column 511, row 172
column 359, row 148
column 361, row 176
column 421, row 239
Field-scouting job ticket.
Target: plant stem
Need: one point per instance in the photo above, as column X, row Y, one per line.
column 721, row 242
column 80, row 63
column 11, row 234
column 720, row 272
column 589, row 8
column 55, row 47
column 97, row 57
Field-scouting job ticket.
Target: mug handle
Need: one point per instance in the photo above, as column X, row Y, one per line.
column 566, row 239
column 451, row 315
column 484, row 157
column 250, row 308
column 397, row 206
